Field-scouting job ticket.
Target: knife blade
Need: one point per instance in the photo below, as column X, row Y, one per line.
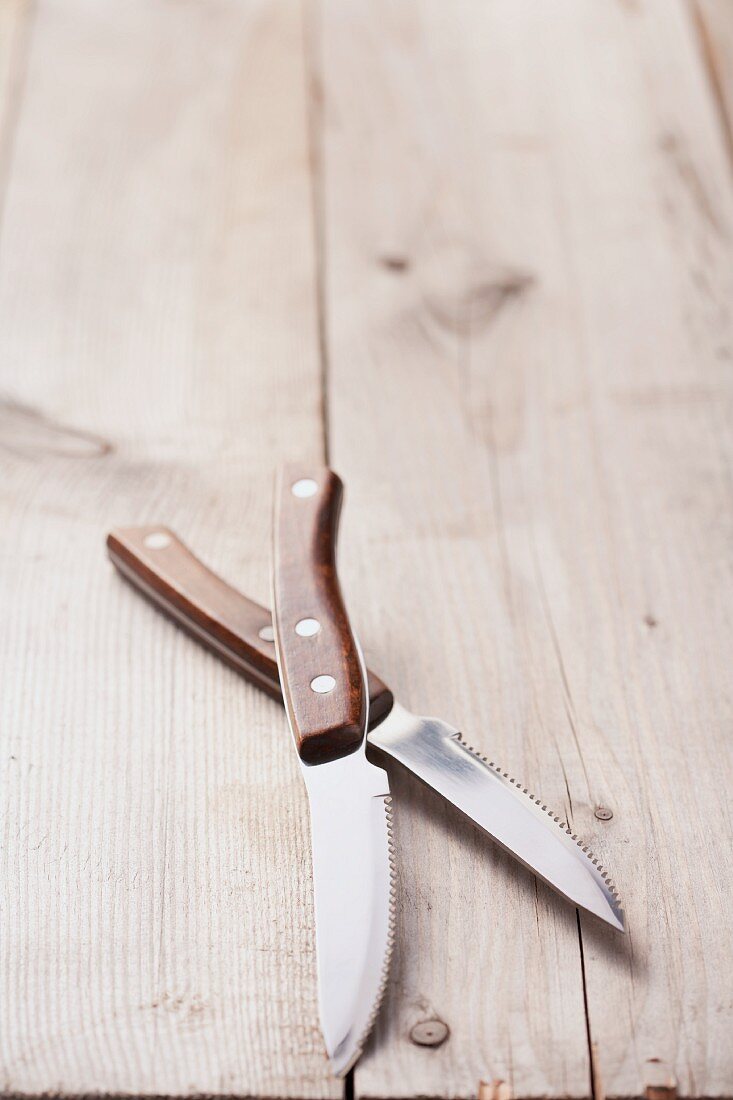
column 324, row 686
column 239, row 630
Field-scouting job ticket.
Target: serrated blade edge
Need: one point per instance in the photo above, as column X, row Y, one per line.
column 519, row 821
column 389, row 948
column 545, row 809
column 354, row 895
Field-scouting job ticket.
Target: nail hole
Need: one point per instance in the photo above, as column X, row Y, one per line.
column 430, row 1033
column 305, row 487
column 267, row 634
column 306, row 628
column 323, row 684
column 158, row 540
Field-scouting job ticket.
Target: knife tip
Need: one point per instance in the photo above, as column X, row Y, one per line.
column 343, row 1061
column 612, row 915
column 619, row 921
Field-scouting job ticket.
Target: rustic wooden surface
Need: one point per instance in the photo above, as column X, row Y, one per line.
column 479, row 257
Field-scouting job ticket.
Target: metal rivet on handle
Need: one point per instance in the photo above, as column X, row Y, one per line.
column 323, row 684
column 305, row 487
column 430, row 1033
column 267, row 634
column 306, row 628
column 603, row 813
column 158, row 540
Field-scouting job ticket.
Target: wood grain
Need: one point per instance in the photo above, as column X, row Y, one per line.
column 158, row 344
column 491, row 243
column 527, row 213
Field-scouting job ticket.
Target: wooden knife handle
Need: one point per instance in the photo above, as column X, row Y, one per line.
column 321, row 668
column 163, row 569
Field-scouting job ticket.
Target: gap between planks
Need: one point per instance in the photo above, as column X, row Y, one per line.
column 314, row 123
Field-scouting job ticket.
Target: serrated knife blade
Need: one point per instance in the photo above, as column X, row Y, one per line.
column 324, row 686
column 240, row 632
column 436, row 753
column 351, row 832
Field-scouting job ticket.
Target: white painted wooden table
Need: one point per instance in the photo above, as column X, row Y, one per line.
column 479, row 256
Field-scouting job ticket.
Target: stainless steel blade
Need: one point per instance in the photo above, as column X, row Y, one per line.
column 353, row 888
column 499, row 805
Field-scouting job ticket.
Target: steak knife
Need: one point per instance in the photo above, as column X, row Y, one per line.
column 324, row 687
column 240, row 631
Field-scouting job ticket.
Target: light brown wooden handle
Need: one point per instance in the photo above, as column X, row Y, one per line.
column 237, row 629
column 321, row 671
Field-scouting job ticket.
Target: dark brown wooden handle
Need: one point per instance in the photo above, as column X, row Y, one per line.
column 161, row 567
column 321, row 669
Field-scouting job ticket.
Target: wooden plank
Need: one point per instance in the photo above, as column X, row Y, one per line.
column 528, row 215
column 649, row 223
column 418, row 269
column 159, row 351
